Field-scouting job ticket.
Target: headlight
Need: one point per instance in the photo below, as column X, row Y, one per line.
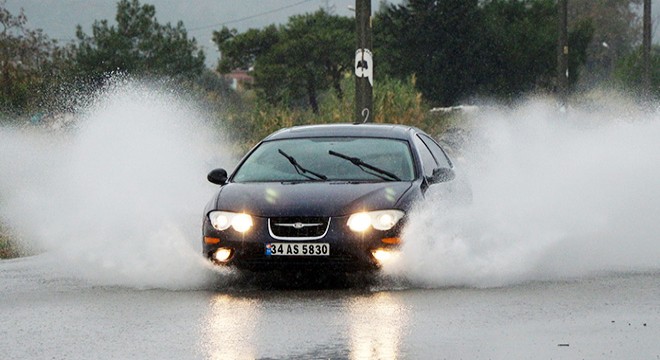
column 222, row 220
column 379, row 220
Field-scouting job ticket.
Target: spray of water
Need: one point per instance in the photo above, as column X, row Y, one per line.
column 117, row 198
column 555, row 196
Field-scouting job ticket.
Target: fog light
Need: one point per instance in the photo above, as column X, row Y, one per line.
column 383, row 255
column 222, row 255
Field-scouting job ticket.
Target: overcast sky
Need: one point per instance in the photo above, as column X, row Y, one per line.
column 58, row 18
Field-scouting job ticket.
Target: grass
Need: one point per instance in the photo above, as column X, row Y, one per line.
column 395, row 102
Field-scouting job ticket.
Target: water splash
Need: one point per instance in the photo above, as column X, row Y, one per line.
column 555, row 196
column 117, row 198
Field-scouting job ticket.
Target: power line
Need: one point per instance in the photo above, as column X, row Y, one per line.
column 225, row 22
column 248, row 17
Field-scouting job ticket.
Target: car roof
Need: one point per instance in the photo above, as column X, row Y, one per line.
column 392, row 131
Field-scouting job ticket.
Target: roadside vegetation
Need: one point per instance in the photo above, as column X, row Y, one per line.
column 427, row 54
column 8, row 248
column 440, row 53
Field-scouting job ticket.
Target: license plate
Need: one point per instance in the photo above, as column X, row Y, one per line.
column 298, row 249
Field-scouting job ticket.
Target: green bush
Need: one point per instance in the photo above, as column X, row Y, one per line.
column 8, row 249
column 629, row 72
column 395, row 102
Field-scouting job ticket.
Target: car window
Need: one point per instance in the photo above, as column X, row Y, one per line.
column 266, row 162
column 440, row 156
column 428, row 161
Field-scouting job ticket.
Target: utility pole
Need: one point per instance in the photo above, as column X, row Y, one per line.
column 646, row 50
column 562, row 56
column 364, row 65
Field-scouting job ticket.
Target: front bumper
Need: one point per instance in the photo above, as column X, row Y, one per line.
column 349, row 251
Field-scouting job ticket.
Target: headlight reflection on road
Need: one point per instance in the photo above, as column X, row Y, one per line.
column 304, row 325
column 377, row 324
column 229, row 328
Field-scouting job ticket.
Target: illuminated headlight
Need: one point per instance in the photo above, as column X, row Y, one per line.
column 222, row 220
column 379, row 220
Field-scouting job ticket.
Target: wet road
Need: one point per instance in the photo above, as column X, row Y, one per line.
column 43, row 316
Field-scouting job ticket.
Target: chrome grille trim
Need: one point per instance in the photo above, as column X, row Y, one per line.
column 294, row 225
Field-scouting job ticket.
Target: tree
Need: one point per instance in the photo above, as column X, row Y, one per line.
column 138, row 44
column 521, row 47
column 27, row 58
column 241, row 51
column 616, row 33
column 460, row 49
column 294, row 61
column 438, row 41
column 521, row 44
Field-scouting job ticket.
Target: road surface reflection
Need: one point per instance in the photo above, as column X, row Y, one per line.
column 376, row 323
column 230, row 328
column 304, row 324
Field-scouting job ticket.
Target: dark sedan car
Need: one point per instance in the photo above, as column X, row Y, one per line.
column 329, row 196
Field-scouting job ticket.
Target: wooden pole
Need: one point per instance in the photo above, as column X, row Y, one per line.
column 363, row 63
column 562, row 56
column 646, row 49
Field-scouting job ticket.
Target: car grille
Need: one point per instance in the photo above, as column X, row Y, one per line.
column 298, row 228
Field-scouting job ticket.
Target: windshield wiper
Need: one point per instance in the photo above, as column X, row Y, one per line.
column 364, row 166
column 301, row 170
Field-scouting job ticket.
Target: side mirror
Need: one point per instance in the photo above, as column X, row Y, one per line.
column 442, row 175
column 217, row 176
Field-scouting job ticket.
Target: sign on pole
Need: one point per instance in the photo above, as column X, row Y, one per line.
column 364, row 64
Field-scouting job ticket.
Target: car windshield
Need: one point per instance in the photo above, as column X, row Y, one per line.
column 369, row 159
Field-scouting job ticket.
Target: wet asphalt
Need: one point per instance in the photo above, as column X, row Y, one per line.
column 43, row 316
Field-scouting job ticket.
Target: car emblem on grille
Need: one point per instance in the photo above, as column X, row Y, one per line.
column 298, row 225
column 298, row 228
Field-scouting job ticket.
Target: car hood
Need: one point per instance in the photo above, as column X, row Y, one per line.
column 310, row 198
